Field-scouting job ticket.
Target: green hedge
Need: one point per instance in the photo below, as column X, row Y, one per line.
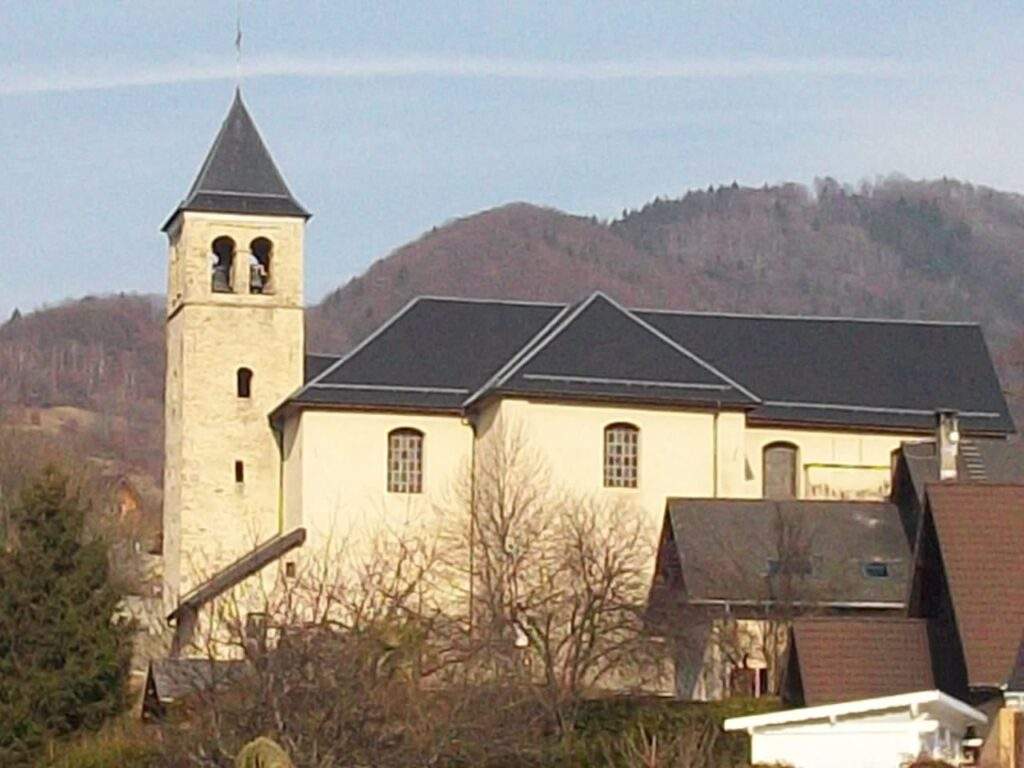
column 604, row 725
column 603, row 729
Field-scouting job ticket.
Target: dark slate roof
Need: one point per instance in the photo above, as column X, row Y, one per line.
column 449, row 354
column 603, row 351
column 239, row 175
column 314, row 364
column 726, row 549
column 432, row 355
column 174, row 679
column 980, row 530
column 850, row 658
column 885, row 373
column 978, row 461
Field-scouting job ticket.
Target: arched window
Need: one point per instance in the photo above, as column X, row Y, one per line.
column 244, row 382
column 221, row 261
column 621, row 455
column 260, row 251
column 779, row 471
column 405, row 461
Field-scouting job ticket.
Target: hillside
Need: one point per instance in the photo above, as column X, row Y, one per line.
column 939, row 250
column 88, row 376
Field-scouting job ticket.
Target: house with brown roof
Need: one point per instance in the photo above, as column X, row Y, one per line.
column 965, row 603
column 962, row 639
column 975, row 460
column 969, row 584
column 861, row 582
column 731, row 574
column 833, row 659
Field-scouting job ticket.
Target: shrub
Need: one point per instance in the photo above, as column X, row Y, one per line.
column 119, row 746
column 630, row 732
column 63, row 650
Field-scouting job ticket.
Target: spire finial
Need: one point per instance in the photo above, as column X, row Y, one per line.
column 238, row 45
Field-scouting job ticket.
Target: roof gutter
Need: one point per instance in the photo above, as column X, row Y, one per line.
column 864, row 604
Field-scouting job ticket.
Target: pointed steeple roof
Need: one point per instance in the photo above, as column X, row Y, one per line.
column 239, row 175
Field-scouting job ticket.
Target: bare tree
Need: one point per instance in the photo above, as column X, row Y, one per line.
column 468, row 642
column 344, row 666
column 557, row 581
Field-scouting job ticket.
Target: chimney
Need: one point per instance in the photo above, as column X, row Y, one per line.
column 947, row 444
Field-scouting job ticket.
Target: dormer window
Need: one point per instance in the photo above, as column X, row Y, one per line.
column 221, row 262
column 875, row 570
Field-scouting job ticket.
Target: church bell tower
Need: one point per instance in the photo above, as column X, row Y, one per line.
column 234, row 352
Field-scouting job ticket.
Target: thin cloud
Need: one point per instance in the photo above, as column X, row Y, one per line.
column 455, row 67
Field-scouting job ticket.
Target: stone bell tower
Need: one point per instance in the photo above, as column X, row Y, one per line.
column 234, row 352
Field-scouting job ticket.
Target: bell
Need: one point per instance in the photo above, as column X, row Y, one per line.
column 221, row 284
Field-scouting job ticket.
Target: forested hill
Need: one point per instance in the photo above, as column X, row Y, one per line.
column 938, row 250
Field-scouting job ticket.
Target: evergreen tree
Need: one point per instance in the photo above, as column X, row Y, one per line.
column 64, row 649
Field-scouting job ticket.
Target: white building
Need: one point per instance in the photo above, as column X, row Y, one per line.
column 871, row 733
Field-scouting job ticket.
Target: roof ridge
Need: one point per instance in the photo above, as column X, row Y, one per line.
column 859, row 618
column 815, row 318
column 967, row 486
column 679, row 347
column 776, row 502
column 557, row 329
column 474, row 300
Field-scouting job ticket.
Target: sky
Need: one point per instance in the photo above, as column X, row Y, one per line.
column 390, row 118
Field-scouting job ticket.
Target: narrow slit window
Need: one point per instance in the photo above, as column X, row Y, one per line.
column 405, row 461
column 621, row 455
column 239, row 472
column 243, row 382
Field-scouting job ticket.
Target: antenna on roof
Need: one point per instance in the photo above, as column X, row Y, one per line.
column 238, row 43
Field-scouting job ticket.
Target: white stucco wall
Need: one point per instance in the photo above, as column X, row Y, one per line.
column 676, row 448
column 336, row 474
column 833, row 464
column 847, row 748
column 882, row 732
column 870, row 742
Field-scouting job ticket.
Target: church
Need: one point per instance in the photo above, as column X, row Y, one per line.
column 272, row 451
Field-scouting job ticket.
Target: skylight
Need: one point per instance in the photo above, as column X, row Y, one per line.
column 876, row 570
